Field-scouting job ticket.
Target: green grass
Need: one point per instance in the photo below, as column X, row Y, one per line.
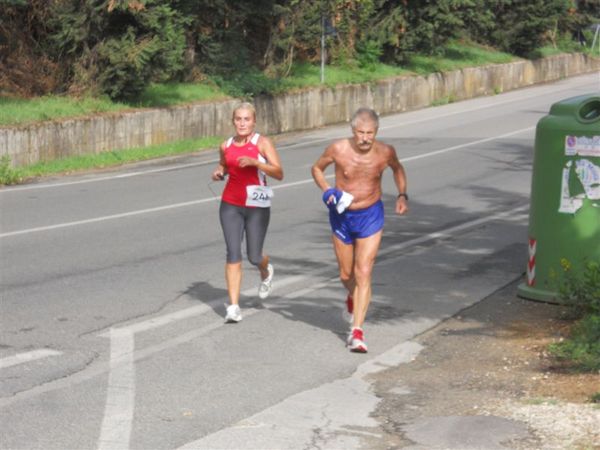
column 15, row 111
column 170, row 94
column 9, row 175
column 457, row 56
column 541, row 401
column 582, row 348
column 307, row 75
column 21, row 112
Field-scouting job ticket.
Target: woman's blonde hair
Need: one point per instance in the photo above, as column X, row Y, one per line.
column 244, row 105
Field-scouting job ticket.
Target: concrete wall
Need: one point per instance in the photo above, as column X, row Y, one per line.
column 301, row 110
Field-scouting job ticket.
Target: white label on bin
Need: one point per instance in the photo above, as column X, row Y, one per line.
column 588, row 174
column 568, row 204
column 582, row 145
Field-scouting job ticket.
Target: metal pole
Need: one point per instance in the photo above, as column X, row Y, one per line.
column 322, row 48
column 597, row 32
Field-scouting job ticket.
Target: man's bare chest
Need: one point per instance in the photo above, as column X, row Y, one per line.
column 360, row 167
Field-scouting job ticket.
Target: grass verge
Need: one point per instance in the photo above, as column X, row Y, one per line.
column 580, row 351
column 11, row 175
column 455, row 55
column 18, row 111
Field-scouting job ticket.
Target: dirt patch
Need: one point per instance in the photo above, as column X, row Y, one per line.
column 492, row 360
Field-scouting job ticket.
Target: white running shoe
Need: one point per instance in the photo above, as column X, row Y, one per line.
column 266, row 285
column 234, row 314
column 356, row 341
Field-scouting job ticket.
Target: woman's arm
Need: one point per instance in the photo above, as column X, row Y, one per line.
column 221, row 170
column 273, row 165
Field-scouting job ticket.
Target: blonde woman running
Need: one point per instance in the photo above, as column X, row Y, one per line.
column 248, row 158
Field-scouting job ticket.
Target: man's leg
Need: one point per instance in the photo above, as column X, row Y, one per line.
column 345, row 258
column 365, row 252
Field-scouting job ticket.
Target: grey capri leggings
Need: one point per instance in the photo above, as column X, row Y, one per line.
column 237, row 219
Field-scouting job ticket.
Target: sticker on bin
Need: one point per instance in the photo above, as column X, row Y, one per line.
column 582, row 146
column 588, row 175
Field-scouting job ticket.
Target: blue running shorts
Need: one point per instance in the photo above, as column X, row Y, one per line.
column 356, row 224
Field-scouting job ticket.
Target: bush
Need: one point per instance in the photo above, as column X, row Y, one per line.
column 581, row 293
column 118, row 48
column 248, row 84
column 8, row 174
column 582, row 348
column 522, row 27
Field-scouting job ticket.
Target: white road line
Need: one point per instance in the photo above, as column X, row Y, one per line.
column 118, row 418
column 515, row 214
column 107, row 178
column 299, row 144
column 27, row 357
column 111, row 217
column 120, row 398
column 99, row 370
column 211, row 199
column 468, row 144
column 182, row 314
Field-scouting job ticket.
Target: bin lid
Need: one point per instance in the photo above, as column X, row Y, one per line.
column 584, row 108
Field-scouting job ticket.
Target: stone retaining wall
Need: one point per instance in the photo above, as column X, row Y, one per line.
column 306, row 109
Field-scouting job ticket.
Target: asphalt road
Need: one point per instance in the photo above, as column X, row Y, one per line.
column 112, row 332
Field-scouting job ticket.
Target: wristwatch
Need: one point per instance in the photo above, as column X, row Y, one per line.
column 403, row 194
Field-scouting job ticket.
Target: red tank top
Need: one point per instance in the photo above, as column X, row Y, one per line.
column 235, row 191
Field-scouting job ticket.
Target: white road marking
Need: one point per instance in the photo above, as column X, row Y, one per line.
column 120, row 398
column 468, row 144
column 212, row 199
column 345, row 407
column 299, row 144
column 21, row 358
column 120, row 401
column 304, row 143
column 110, row 217
column 106, row 178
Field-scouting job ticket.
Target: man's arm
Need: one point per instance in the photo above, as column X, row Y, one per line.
column 318, row 169
column 400, row 180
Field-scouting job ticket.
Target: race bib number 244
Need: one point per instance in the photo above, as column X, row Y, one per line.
column 259, row 196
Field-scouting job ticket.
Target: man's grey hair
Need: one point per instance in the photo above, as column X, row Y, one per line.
column 367, row 113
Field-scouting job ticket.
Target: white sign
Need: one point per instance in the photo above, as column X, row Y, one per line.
column 582, row 145
column 589, row 176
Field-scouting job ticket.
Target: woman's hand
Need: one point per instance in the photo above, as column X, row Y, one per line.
column 246, row 161
column 218, row 175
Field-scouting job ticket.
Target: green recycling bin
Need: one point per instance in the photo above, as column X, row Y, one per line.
column 564, row 215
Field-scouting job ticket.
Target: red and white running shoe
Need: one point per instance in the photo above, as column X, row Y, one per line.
column 356, row 341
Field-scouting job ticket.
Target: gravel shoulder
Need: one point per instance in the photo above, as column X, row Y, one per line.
column 484, row 380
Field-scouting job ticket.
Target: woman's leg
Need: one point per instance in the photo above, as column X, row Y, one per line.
column 232, row 223
column 257, row 223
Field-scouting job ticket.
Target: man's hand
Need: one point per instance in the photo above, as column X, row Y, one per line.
column 337, row 200
column 331, row 197
column 401, row 205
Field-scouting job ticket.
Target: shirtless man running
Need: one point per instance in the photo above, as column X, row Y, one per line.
column 356, row 210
